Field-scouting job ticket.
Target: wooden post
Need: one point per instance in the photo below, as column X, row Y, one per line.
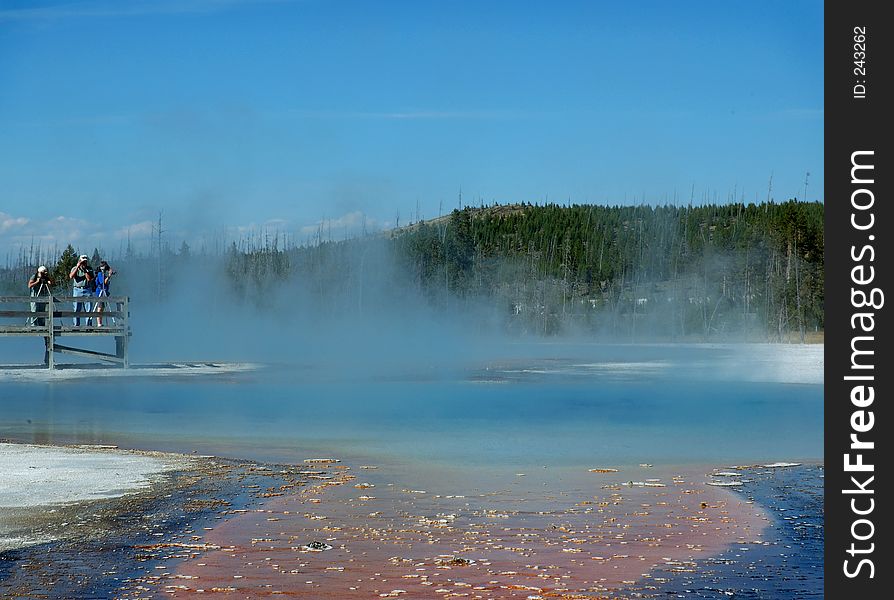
column 121, row 340
column 127, row 332
column 49, row 340
column 121, row 349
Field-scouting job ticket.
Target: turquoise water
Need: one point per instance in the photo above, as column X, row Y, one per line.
column 558, row 413
column 474, row 427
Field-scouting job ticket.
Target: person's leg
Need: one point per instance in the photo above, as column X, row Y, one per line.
column 78, row 305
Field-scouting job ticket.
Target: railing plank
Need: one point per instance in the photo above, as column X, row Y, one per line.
column 58, row 298
column 43, row 314
column 89, row 353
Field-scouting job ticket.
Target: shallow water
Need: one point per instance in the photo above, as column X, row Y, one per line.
column 789, row 564
column 507, row 416
column 470, row 428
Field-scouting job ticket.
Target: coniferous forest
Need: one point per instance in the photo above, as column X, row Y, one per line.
column 709, row 272
column 635, row 272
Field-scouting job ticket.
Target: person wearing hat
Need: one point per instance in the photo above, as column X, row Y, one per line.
column 103, row 279
column 82, row 277
column 39, row 284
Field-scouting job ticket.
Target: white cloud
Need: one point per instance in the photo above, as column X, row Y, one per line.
column 354, row 222
column 9, row 222
column 134, row 230
column 271, row 226
column 51, row 235
column 54, row 234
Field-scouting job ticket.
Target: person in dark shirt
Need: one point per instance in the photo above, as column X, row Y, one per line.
column 103, row 279
column 39, row 284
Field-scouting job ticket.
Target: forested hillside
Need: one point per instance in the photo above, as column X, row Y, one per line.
column 620, row 272
column 668, row 271
column 636, row 272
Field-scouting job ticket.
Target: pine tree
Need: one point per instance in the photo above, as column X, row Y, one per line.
column 67, row 261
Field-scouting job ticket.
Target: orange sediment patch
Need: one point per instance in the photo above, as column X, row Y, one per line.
column 332, row 540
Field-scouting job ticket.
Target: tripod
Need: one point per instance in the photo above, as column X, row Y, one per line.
column 38, row 321
column 99, row 306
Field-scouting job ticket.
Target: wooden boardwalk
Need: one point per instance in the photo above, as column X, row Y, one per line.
column 51, row 317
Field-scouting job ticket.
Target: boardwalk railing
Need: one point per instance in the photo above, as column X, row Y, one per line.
column 52, row 317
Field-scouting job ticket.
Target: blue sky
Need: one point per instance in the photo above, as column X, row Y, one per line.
column 232, row 116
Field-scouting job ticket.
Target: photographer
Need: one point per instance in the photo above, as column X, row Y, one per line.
column 82, row 285
column 103, row 279
column 39, row 284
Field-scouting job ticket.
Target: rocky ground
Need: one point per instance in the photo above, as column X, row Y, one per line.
column 115, row 547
